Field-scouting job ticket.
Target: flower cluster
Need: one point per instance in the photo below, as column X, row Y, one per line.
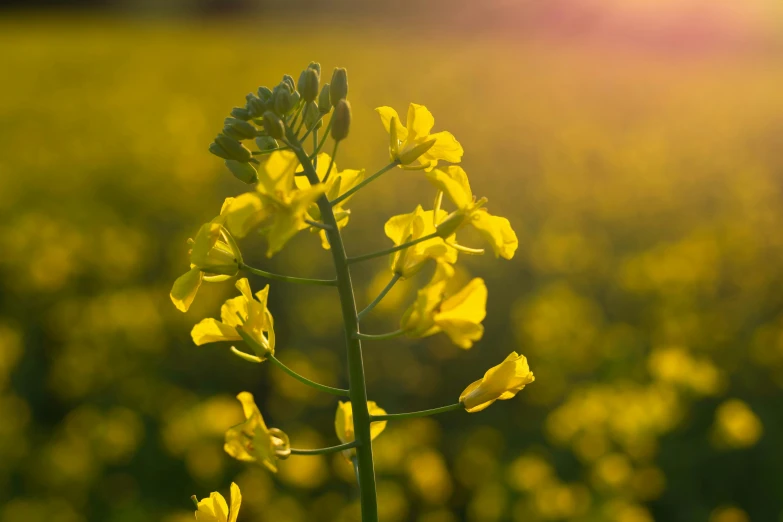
column 262, row 143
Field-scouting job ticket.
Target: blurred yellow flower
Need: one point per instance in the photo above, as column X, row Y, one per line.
column 337, row 184
column 276, row 204
column 244, row 313
column 501, row 382
column 414, row 141
column 213, row 257
column 496, row 230
column 252, row 441
column 736, row 425
column 215, row 509
column 459, row 316
column 410, row 227
column 343, row 424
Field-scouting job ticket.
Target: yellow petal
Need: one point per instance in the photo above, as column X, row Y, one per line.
column 388, row 115
column 185, row 287
column 236, row 501
column 376, row 428
column 232, row 310
column 500, row 382
column 454, row 183
column 343, row 422
column 498, row 233
column 244, row 213
column 205, row 240
column 276, row 173
column 220, row 506
column 446, row 148
column 212, row 331
column 420, row 122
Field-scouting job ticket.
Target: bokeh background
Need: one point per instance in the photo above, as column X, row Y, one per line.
column 636, row 146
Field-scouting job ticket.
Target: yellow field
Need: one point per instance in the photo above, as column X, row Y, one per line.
column 647, row 293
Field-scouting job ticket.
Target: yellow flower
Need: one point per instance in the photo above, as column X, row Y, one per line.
column 337, row 184
column 414, row 141
column 496, row 230
column 276, row 205
column 409, row 227
column 458, row 315
column 215, row 509
column 241, row 315
column 214, row 257
column 252, row 441
column 343, row 424
column 501, row 382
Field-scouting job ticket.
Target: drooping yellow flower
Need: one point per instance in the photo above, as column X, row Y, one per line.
column 410, row 227
column 414, row 143
column 214, row 257
column 501, row 382
column 496, row 230
column 244, row 313
column 277, row 205
column 343, row 424
column 459, row 315
column 252, row 441
column 337, row 184
column 215, row 509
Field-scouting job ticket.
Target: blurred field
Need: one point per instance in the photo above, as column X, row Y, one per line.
column 646, row 190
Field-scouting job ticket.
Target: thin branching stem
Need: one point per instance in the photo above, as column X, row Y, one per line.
column 414, row 414
column 324, row 451
column 288, row 279
column 365, row 182
column 392, row 250
column 301, row 378
column 379, row 337
column 396, row 277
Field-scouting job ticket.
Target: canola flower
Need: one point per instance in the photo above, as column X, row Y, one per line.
column 215, row 509
column 298, row 187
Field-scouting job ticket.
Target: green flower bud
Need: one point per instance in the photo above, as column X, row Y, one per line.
column 289, row 81
column 266, row 143
column 316, row 67
column 308, row 84
column 450, row 225
column 324, row 103
column 254, row 105
column 281, row 100
column 241, row 113
column 412, row 155
column 242, row 171
column 230, row 149
column 239, row 129
column 295, row 97
column 341, row 120
column 265, row 94
column 338, row 88
column 312, row 116
column 273, row 125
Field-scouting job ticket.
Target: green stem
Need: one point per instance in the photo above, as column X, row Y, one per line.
column 323, row 140
column 392, row 250
column 414, row 414
column 396, row 277
column 379, row 337
column 366, row 182
column 357, row 386
column 320, row 387
column 331, row 161
column 289, row 279
column 311, row 129
column 324, row 451
column 269, row 151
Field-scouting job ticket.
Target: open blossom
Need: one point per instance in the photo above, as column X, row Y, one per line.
column 405, row 228
column 501, row 382
column 252, row 441
column 245, row 313
column 414, row 143
column 215, row 509
column 497, row 231
column 337, row 184
column 343, row 424
column 458, row 315
column 277, row 206
column 213, row 257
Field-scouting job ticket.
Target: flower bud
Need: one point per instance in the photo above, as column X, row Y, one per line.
column 341, row 120
column 316, row 67
column 295, row 97
column 308, row 84
column 289, row 81
column 450, row 225
column 242, row 171
column 338, row 88
column 265, row 94
column 273, row 125
column 266, row 143
column 239, row 129
column 230, row 149
column 254, row 105
column 312, row 116
column 412, row 155
column 281, row 100
column 241, row 113
column 324, row 103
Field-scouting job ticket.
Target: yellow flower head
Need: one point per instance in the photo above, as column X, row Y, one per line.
column 410, row 227
column 252, row 441
column 343, row 424
column 241, row 318
column 458, row 315
column 414, row 141
column 215, row 509
column 277, row 205
column 337, row 184
column 501, row 382
column 496, row 230
column 214, row 257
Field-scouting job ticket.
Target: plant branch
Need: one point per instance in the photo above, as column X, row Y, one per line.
column 320, row 387
column 392, row 250
column 324, row 451
column 414, row 414
column 288, row 279
column 365, row 182
column 379, row 337
column 396, row 277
